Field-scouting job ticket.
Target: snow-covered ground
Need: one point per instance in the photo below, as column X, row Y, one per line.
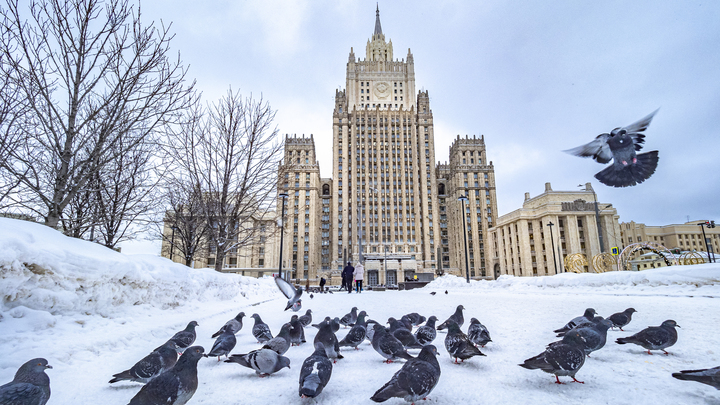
column 93, row 313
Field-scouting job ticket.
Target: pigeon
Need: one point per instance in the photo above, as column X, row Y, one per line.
column 311, row 296
column 297, row 332
column 307, row 318
column 370, row 326
column 157, row 362
column 457, row 317
column 415, row 380
column 282, row 342
column 594, row 336
column 357, row 332
column 223, row 344
column 31, row 386
column 586, row 318
column 446, row 292
column 654, row 337
column 415, row 318
column 478, row 333
column 623, row 318
column 349, row 318
column 327, row 337
column 388, row 346
column 433, row 293
column 404, row 335
column 621, row 145
column 263, row 361
column 324, row 321
column 426, row 333
column 563, row 358
column 458, row 345
column 186, row 337
column 291, row 293
column 234, row 324
column 405, row 320
column 260, row 330
column 315, row 373
column 709, row 376
column 175, row 386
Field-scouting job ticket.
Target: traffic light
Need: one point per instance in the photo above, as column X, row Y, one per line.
column 712, row 224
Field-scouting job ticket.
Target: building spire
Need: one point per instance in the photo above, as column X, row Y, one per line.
column 378, row 28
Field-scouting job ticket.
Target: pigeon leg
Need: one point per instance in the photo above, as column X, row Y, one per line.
column 557, row 380
column 666, row 353
column 649, row 352
column 581, row 382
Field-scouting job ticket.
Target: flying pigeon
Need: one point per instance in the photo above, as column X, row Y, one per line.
column 175, row 386
column 291, row 293
column 263, row 361
column 458, row 345
column 415, row 380
column 457, row 317
column 349, row 318
column 260, row 330
column 326, row 336
column 654, row 337
column 234, row 324
column 404, row 335
column 157, row 362
column 709, row 376
column 307, row 318
column 282, row 342
column 586, row 318
column 623, row 318
column 415, row 318
column 357, row 333
column 620, row 145
column 561, row 359
column 31, row 386
column 593, row 336
column 297, row 332
column 388, row 346
column 478, row 333
column 315, row 373
column 223, row 344
column 426, row 333
column 185, row 337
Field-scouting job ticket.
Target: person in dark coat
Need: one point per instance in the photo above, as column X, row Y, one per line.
column 347, row 277
column 322, row 284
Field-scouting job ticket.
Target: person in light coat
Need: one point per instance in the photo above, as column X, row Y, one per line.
column 359, row 275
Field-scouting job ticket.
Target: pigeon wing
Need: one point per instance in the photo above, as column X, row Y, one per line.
column 18, row 393
column 287, row 289
column 598, row 149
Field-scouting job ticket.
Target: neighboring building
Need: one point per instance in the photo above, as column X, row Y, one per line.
column 686, row 237
column 521, row 240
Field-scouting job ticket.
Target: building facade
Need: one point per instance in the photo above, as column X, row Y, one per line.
column 522, row 241
column 682, row 237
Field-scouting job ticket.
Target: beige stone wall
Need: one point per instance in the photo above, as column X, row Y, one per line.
column 687, row 236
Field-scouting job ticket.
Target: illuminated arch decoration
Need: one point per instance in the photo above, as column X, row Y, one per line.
column 603, row 262
column 691, row 258
column 623, row 260
column 576, row 262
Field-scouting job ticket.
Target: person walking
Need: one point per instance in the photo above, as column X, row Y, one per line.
column 322, row 284
column 359, row 274
column 347, row 277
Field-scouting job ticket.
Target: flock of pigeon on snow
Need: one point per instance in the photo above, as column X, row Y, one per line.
column 170, row 379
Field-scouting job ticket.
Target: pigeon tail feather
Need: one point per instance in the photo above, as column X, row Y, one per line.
column 389, row 390
column 632, row 174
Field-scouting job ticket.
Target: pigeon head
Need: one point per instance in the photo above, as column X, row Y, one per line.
column 473, row 321
column 191, row 325
column 190, row 356
column 31, row 371
column 256, row 317
column 630, row 310
column 285, row 329
column 670, row 323
column 460, row 308
column 453, row 327
column 604, row 324
column 589, row 313
column 283, row 362
column 240, row 316
column 293, row 318
column 308, row 312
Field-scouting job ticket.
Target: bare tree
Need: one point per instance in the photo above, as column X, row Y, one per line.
column 185, row 225
column 93, row 77
column 231, row 151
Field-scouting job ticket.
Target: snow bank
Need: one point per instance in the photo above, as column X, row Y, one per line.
column 43, row 270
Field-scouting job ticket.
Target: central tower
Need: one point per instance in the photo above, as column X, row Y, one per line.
column 383, row 171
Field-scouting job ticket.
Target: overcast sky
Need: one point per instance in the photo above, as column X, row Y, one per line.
column 533, row 77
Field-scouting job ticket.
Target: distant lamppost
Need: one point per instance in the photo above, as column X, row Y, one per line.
column 588, row 187
column 552, row 241
column 463, row 199
column 708, row 246
column 172, row 242
column 282, row 231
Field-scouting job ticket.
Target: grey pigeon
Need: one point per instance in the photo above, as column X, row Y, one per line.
column 234, row 324
column 185, row 337
column 709, row 376
column 426, row 333
column 263, row 361
column 333, row 322
column 388, row 346
column 405, row 320
column 415, row 380
column 260, row 330
column 31, row 386
column 564, row 358
column 280, row 343
column 593, row 336
column 326, row 336
column 623, row 318
column 291, row 293
column 478, row 333
column 416, row 318
column 458, row 345
column 157, row 362
column 594, row 321
column 175, row 386
column 349, row 318
column 297, row 332
column 621, row 145
column 315, row 373
column 433, row 293
column 654, row 337
column 357, row 332
column 586, row 318
column 318, row 325
column 223, row 344
column 404, row 335
column 307, row 318
column 457, row 317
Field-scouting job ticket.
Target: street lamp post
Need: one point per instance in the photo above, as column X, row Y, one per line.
column 708, row 246
column 282, row 231
column 552, row 241
column 588, row 187
column 463, row 199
